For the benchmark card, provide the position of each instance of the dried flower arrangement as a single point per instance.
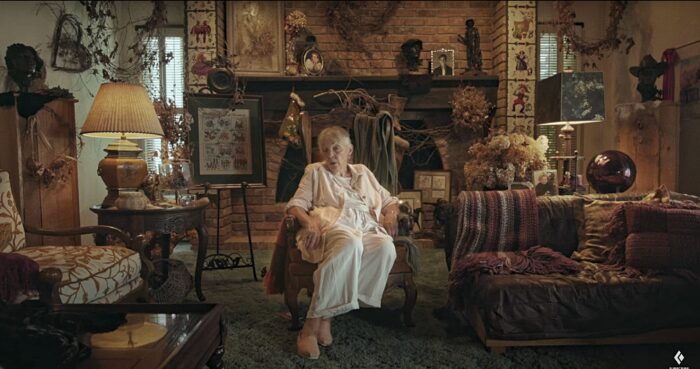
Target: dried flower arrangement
(502, 159)
(353, 21)
(176, 130)
(612, 40)
(294, 24)
(470, 108)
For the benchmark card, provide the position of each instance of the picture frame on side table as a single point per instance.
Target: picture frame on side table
(228, 141)
(255, 35)
(434, 185)
(546, 182)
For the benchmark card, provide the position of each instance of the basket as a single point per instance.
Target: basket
(175, 288)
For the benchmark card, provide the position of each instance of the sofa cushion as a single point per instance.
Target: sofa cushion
(11, 228)
(557, 222)
(660, 236)
(90, 273)
(593, 303)
(654, 250)
(595, 243)
(495, 221)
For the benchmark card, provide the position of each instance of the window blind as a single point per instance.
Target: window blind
(165, 81)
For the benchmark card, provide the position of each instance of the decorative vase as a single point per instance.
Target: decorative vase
(131, 200)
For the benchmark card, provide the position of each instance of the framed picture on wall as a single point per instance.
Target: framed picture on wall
(433, 184)
(442, 62)
(255, 34)
(228, 141)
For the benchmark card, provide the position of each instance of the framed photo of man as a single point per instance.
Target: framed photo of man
(227, 140)
(434, 185)
(442, 62)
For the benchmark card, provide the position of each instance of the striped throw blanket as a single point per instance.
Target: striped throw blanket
(495, 221)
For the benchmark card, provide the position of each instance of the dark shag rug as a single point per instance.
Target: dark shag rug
(258, 335)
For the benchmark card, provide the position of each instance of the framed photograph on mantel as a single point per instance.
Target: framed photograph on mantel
(255, 34)
(228, 141)
(434, 185)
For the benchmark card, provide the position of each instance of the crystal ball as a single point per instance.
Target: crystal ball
(611, 171)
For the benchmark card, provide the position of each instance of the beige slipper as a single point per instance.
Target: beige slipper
(307, 347)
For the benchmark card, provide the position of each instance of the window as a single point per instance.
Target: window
(166, 81)
(553, 60)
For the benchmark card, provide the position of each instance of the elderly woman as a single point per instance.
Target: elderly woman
(348, 220)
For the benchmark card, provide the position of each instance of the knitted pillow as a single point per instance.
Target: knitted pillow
(11, 228)
(662, 237)
(654, 250)
(495, 221)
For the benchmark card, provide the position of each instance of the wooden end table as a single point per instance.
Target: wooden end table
(162, 222)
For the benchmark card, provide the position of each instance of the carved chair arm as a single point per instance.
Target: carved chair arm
(291, 227)
(102, 229)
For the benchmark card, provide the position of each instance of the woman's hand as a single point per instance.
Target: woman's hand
(311, 227)
(312, 233)
(390, 220)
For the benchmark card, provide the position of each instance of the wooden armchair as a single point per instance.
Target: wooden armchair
(75, 274)
(299, 273)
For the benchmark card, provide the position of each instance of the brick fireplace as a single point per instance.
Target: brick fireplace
(432, 108)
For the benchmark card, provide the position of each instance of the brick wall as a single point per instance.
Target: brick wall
(436, 23)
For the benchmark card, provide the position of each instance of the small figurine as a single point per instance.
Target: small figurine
(647, 72)
(410, 50)
(472, 41)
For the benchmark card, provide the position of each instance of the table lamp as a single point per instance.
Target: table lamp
(122, 111)
(567, 99)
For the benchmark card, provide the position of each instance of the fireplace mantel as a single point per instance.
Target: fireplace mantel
(275, 89)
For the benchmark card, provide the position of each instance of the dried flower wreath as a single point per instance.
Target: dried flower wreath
(353, 22)
(612, 40)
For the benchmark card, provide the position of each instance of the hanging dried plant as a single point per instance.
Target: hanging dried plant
(176, 129)
(575, 43)
(103, 42)
(470, 108)
(354, 22)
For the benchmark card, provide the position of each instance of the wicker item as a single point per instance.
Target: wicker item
(175, 288)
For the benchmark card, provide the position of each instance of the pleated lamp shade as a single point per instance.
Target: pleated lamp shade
(122, 110)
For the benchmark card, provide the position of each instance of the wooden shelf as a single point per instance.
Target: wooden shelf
(275, 89)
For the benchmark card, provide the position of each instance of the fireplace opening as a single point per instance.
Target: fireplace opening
(421, 155)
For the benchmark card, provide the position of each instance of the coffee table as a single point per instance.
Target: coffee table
(194, 337)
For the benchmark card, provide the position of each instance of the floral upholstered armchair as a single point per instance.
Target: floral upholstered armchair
(69, 274)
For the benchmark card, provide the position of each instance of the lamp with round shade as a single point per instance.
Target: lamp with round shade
(568, 99)
(122, 111)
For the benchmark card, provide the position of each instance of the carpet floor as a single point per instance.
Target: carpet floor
(376, 338)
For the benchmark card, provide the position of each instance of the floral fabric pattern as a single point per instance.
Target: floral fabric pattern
(91, 274)
(11, 238)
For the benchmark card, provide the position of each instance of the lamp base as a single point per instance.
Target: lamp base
(121, 170)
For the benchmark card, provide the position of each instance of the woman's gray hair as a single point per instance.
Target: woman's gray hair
(335, 134)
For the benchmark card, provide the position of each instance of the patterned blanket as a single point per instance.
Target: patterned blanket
(495, 221)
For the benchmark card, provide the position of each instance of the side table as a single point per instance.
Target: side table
(162, 222)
